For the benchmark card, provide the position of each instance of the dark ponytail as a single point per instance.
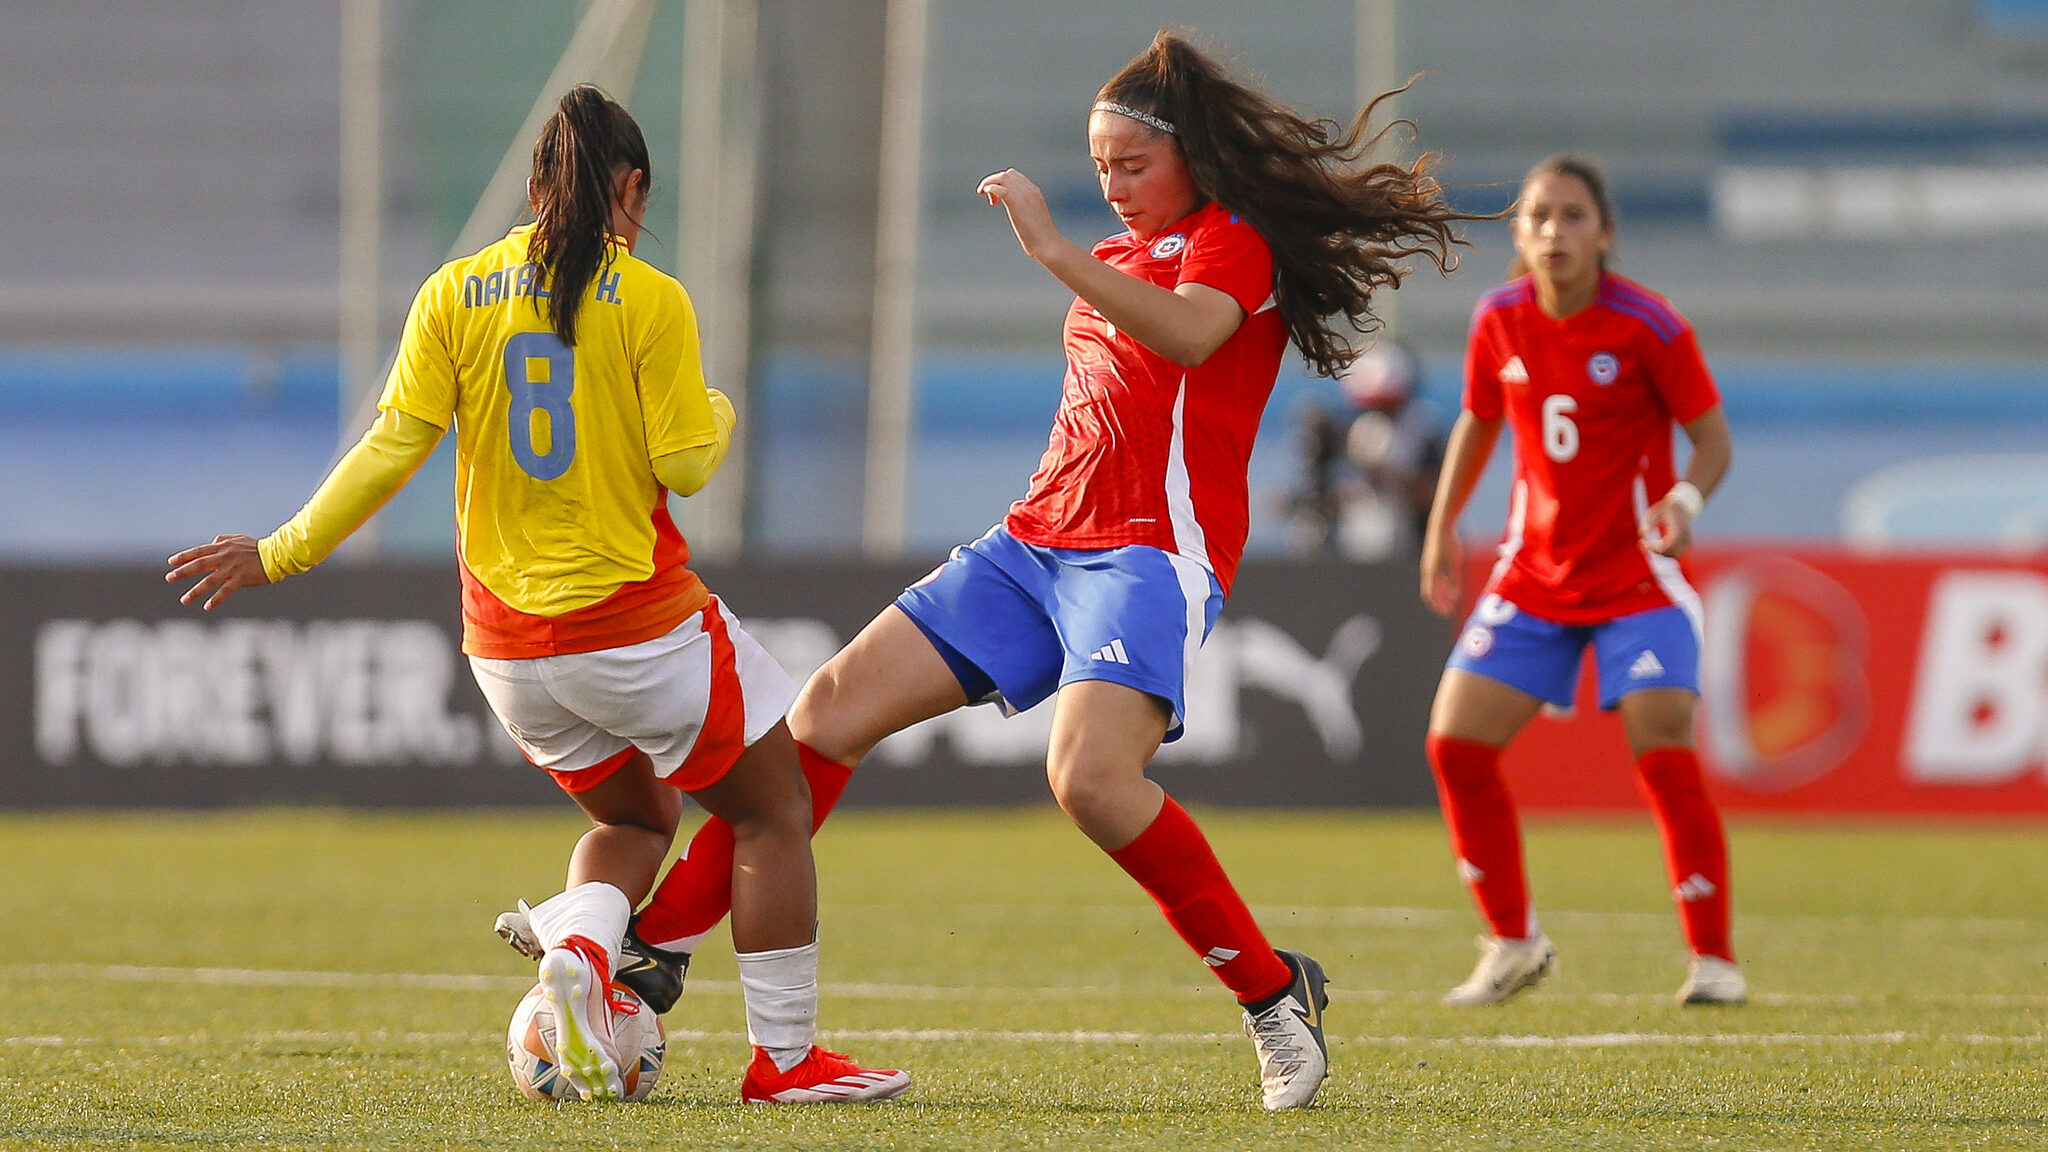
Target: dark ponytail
(1339, 228)
(583, 148)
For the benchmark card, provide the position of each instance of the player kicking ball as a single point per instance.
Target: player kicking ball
(1246, 227)
(569, 370)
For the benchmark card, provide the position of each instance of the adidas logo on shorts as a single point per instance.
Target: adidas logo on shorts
(1113, 652)
(1646, 667)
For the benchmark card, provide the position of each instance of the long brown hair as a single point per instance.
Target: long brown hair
(583, 149)
(1339, 228)
(1586, 171)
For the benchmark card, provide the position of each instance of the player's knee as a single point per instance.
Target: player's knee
(1090, 793)
(823, 721)
(1647, 734)
(661, 816)
(785, 816)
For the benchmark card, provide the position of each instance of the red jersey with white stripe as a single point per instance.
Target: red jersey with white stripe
(1590, 400)
(1143, 450)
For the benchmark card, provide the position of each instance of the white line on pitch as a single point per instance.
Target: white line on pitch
(1081, 1036)
(269, 977)
(459, 982)
(1370, 916)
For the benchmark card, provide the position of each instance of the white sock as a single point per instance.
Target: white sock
(596, 911)
(781, 989)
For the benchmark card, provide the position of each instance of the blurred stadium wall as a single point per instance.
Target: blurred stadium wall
(1850, 199)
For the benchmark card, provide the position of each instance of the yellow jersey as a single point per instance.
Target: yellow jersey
(563, 531)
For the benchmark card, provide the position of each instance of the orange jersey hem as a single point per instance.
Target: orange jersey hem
(636, 613)
(633, 613)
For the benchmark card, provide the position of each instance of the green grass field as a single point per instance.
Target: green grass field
(329, 980)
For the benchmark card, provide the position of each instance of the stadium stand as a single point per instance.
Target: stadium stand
(170, 242)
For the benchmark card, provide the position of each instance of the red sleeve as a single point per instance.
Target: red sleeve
(1681, 378)
(1482, 395)
(1230, 256)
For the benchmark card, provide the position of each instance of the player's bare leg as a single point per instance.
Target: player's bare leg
(633, 816)
(1103, 735)
(887, 679)
(774, 882)
(774, 888)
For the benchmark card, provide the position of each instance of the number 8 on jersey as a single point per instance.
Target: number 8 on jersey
(540, 372)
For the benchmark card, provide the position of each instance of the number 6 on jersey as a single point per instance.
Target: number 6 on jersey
(1560, 435)
(542, 354)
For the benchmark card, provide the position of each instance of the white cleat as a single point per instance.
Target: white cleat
(1293, 1060)
(578, 986)
(517, 930)
(1505, 968)
(1712, 980)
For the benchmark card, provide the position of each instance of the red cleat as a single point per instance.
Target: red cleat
(823, 1078)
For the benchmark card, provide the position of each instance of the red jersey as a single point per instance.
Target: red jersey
(1143, 450)
(1591, 400)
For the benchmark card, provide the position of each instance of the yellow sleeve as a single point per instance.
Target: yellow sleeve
(687, 471)
(372, 472)
(422, 380)
(668, 370)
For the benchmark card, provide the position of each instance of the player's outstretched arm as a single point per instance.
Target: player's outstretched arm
(370, 474)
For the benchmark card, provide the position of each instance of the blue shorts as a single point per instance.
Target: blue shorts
(1659, 648)
(1016, 621)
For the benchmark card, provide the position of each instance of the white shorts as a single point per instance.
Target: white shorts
(693, 700)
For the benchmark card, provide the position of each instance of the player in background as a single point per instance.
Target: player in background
(1369, 471)
(1246, 226)
(570, 372)
(1589, 371)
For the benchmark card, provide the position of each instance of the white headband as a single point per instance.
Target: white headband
(1145, 118)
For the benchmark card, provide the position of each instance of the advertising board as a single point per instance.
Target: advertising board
(347, 686)
(1836, 683)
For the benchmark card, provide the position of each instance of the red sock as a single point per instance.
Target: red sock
(1171, 859)
(1484, 832)
(697, 892)
(1695, 847)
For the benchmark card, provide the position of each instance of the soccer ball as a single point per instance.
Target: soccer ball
(530, 1046)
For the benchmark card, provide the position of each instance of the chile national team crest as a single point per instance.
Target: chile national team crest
(1603, 368)
(1168, 246)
